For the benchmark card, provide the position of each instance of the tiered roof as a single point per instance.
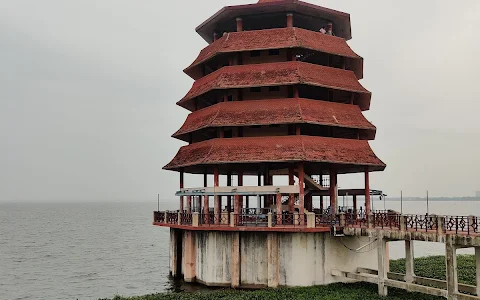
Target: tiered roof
(353, 154)
(277, 74)
(278, 38)
(277, 111)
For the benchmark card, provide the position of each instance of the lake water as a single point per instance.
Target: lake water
(89, 251)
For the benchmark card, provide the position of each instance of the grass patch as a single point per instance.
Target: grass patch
(431, 267)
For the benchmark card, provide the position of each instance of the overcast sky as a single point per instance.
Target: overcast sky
(88, 91)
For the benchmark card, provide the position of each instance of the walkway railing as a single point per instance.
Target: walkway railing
(467, 225)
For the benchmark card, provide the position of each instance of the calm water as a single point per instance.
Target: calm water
(88, 251)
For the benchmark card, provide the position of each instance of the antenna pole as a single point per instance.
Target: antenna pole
(158, 202)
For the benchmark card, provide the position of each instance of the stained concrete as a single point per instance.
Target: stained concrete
(271, 259)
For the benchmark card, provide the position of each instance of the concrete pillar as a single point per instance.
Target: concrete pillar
(291, 197)
(301, 178)
(236, 209)
(382, 266)
(440, 225)
(409, 262)
(189, 274)
(452, 272)
(279, 209)
(403, 223)
(333, 192)
(216, 209)
(289, 20)
(310, 220)
(173, 253)
(477, 258)
(270, 219)
(195, 219)
(367, 192)
(179, 219)
(181, 187)
(343, 220)
(235, 263)
(273, 263)
(239, 24)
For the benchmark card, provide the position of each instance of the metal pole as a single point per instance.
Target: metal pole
(427, 205)
(401, 202)
(158, 202)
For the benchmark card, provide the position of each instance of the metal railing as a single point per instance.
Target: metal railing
(468, 225)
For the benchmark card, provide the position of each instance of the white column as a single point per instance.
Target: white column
(477, 257)
(409, 262)
(452, 272)
(382, 266)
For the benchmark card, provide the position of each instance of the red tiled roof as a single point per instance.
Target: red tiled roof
(294, 148)
(276, 74)
(277, 39)
(278, 111)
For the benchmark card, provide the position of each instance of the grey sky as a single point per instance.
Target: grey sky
(88, 91)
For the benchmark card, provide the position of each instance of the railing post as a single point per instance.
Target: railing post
(440, 225)
(195, 218)
(371, 220)
(296, 217)
(165, 220)
(310, 220)
(269, 219)
(232, 219)
(179, 218)
(403, 223)
(343, 222)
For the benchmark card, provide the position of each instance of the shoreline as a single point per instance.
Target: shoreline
(430, 266)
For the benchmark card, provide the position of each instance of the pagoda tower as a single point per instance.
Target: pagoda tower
(276, 94)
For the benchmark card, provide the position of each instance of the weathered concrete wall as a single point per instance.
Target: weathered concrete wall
(253, 259)
(214, 255)
(308, 258)
(273, 259)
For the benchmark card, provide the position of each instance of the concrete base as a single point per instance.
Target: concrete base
(261, 259)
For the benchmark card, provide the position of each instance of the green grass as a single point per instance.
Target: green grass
(431, 267)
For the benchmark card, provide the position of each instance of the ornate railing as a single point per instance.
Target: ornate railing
(467, 225)
(421, 222)
(186, 219)
(461, 224)
(172, 218)
(159, 217)
(252, 219)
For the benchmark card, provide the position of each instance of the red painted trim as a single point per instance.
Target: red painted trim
(245, 229)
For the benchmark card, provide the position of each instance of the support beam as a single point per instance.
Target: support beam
(382, 266)
(216, 200)
(181, 187)
(240, 183)
(409, 262)
(368, 206)
(273, 263)
(301, 197)
(279, 209)
(229, 198)
(206, 210)
(235, 263)
(189, 273)
(291, 197)
(452, 272)
(333, 192)
(189, 204)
